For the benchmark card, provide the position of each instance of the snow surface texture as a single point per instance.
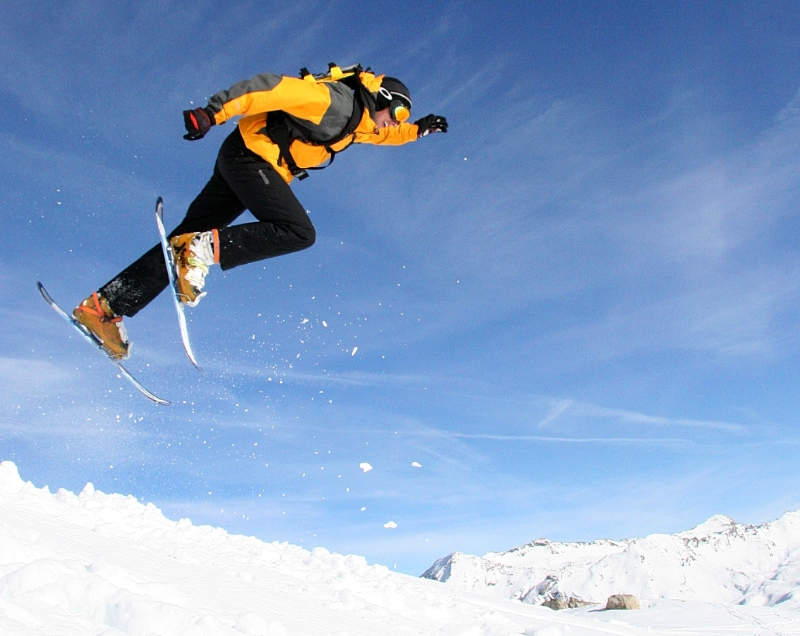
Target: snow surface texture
(107, 565)
(719, 561)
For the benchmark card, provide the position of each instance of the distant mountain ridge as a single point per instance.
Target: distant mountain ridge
(719, 561)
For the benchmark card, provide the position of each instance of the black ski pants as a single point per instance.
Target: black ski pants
(241, 180)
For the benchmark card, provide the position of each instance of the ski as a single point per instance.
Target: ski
(169, 259)
(90, 338)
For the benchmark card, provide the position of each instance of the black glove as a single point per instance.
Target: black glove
(197, 122)
(430, 124)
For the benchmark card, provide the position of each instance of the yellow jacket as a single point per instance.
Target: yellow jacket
(321, 107)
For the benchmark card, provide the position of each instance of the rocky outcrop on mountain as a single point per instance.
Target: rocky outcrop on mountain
(623, 602)
(563, 602)
(719, 561)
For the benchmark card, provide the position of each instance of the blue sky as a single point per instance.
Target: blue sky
(577, 311)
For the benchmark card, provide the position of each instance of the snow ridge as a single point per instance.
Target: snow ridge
(106, 564)
(107, 559)
(719, 561)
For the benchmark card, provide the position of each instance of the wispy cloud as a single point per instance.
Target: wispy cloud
(21, 377)
(569, 440)
(730, 319)
(559, 407)
(599, 412)
(568, 408)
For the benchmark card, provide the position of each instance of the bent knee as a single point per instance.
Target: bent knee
(306, 236)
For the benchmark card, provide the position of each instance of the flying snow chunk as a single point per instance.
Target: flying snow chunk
(304, 321)
(390, 524)
(416, 464)
(354, 351)
(365, 467)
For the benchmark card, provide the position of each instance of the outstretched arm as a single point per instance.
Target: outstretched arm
(405, 132)
(260, 94)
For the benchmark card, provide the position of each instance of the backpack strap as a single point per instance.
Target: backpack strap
(277, 130)
(283, 130)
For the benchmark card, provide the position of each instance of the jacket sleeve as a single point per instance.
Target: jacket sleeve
(267, 92)
(391, 136)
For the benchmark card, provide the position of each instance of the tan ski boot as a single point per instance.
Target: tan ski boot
(194, 253)
(96, 315)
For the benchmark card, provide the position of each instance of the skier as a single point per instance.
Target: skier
(288, 125)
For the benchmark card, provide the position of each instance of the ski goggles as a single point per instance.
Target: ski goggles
(399, 110)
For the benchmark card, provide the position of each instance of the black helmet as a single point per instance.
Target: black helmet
(393, 94)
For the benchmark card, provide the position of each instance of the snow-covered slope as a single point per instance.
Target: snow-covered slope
(108, 565)
(719, 561)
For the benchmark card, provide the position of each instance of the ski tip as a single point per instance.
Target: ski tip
(43, 291)
(159, 201)
(154, 398)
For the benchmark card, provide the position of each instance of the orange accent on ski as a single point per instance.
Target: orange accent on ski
(216, 246)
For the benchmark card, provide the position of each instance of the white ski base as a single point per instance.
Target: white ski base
(169, 259)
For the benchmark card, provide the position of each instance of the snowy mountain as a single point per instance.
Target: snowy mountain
(719, 561)
(106, 564)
